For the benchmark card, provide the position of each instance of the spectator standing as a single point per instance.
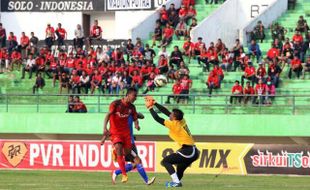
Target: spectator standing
(176, 89)
(78, 41)
(49, 36)
(2, 36)
(61, 34)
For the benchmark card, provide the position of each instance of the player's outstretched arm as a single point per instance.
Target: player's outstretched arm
(162, 109)
(156, 117)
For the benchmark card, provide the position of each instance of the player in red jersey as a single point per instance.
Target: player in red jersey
(119, 132)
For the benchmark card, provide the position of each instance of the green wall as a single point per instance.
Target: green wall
(218, 125)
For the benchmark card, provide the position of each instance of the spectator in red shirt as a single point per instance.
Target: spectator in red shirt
(74, 82)
(24, 43)
(95, 32)
(49, 36)
(163, 64)
(260, 72)
(248, 93)
(40, 64)
(204, 58)
(297, 38)
(191, 13)
(212, 82)
(79, 106)
(96, 82)
(16, 59)
(296, 66)
(186, 84)
(12, 40)
(176, 89)
(273, 52)
(118, 56)
(2, 36)
(249, 73)
(167, 35)
(183, 13)
(188, 48)
(163, 18)
(136, 80)
(61, 34)
(219, 72)
(236, 92)
(198, 46)
(261, 92)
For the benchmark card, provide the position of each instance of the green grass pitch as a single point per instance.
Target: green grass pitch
(62, 180)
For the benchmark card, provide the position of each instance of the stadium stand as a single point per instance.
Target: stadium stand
(198, 103)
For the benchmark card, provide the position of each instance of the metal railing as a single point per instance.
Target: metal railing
(193, 103)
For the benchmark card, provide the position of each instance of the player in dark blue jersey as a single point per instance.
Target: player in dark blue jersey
(133, 159)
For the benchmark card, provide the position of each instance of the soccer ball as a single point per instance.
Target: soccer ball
(160, 80)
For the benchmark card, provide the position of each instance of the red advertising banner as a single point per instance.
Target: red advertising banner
(66, 155)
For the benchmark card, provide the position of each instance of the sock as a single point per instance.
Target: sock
(142, 173)
(128, 167)
(175, 178)
(121, 163)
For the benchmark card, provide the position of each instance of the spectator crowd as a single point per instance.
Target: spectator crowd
(111, 70)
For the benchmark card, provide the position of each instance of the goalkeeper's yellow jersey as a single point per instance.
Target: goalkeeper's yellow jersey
(179, 132)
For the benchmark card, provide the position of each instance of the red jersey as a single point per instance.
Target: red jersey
(182, 12)
(188, 45)
(260, 89)
(273, 52)
(120, 113)
(199, 45)
(24, 40)
(177, 89)
(70, 63)
(261, 71)
(75, 79)
(249, 90)
(62, 32)
(249, 71)
(298, 38)
(185, 83)
(137, 79)
(95, 31)
(236, 88)
(213, 79)
(16, 55)
(168, 32)
(153, 69)
(295, 63)
(50, 31)
(12, 38)
(97, 78)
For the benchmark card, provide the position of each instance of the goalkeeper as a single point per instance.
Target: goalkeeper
(178, 132)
